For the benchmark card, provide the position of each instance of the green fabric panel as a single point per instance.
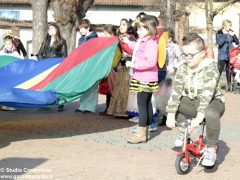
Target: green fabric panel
(5, 60)
(71, 85)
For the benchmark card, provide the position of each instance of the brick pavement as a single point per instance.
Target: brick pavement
(75, 146)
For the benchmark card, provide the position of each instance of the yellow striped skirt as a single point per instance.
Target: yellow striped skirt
(141, 86)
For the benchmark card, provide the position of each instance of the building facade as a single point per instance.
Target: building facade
(107, 12)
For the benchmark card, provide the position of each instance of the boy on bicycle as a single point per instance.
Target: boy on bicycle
(196, 93)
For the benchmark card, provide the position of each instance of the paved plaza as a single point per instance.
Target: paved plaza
(68, 146)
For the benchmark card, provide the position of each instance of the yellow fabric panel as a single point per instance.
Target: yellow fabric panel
(32, 82)
(117, 57)
(162, 51)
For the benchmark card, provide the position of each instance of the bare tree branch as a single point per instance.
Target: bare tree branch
(67, 14)
(222, 7)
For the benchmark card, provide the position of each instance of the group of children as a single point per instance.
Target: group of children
(195, 91)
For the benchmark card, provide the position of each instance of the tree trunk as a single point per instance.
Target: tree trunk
(39, 23)
(209, 19)
(182, 27)
(69, 32)
(181, 21)
(169, 14)
(67, 14)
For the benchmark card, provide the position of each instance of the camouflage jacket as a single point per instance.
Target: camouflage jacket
(201, 83)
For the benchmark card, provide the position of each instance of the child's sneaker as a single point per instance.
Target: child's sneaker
(179, 141)
(153, 127)
(134, 119)
(210, 157)
(6, 108)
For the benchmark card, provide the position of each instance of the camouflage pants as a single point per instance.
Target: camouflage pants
(188, 107)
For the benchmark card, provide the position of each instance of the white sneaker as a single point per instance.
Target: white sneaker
(210, 157)
(134, 119)
(179, 141)
(6, 108)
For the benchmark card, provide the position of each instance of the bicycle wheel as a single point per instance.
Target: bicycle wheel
(181, 167)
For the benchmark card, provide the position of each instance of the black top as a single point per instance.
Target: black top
(54, 51)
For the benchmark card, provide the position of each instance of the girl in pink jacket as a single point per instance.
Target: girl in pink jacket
(145, 74)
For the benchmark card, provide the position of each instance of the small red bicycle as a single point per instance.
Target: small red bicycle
(192, 151)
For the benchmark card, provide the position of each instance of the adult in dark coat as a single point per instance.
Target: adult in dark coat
(225, 39)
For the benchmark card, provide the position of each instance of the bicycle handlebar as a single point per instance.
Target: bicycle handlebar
(187, 123)
(184, 123)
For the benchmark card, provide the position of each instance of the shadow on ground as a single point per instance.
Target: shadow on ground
(34, 124)
(11, 168)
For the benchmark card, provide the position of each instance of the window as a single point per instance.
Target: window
(9, 14)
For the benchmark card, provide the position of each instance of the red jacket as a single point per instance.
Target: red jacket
(235, 61)
(125, 47)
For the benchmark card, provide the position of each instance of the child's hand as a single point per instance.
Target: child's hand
(196, 121)
(171, 70)
(130, 64)
(34, 58)
(191, 130)
(125, 40)
(171, 120)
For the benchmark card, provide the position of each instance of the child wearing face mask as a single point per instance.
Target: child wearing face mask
(8, 47)
(9, 50)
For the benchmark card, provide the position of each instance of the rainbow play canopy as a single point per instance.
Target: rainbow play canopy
(54, 81)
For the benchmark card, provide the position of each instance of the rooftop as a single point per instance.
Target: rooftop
(97, 2)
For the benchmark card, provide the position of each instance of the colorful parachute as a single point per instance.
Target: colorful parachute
(54, 81)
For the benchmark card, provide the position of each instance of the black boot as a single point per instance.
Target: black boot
(61, 108)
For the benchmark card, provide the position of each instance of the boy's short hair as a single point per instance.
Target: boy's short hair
(194, 37)
(85, 23)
